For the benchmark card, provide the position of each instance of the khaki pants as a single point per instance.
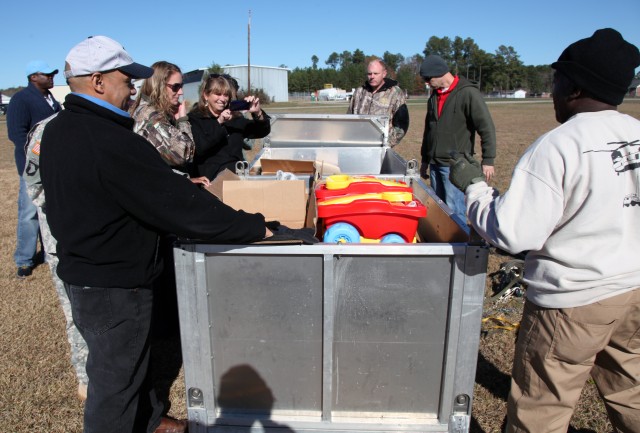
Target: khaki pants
(557, 350)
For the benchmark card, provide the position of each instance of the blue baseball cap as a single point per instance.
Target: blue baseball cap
(35, 66)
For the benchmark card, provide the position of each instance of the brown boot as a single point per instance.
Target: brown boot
(170, 425)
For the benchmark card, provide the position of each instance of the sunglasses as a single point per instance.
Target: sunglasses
(175, 86)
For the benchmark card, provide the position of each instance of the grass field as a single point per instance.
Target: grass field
(37, 384)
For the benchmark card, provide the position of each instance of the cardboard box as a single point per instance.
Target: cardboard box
(266, 166)
(271, 166)
(277, 200)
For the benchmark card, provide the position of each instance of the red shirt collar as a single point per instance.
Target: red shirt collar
(450, 88)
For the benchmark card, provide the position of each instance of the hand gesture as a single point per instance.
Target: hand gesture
(182, 111)
(255, 104)
(224, 116)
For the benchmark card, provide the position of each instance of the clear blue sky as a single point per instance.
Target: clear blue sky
(196, 33)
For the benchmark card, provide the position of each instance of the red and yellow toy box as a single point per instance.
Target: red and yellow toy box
(366, 209)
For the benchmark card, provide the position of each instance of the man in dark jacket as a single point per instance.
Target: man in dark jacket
(28, 107)
(109, 196)
(455, 112)
(382, 96)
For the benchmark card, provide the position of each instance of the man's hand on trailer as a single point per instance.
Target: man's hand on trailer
(284, 233)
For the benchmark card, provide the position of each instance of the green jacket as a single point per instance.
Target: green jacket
(464, 113)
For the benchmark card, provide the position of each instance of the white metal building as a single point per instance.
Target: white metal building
(274, 81)
(60, 92)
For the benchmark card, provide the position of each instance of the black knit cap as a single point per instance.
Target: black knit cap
(433, 66)
(603, 64)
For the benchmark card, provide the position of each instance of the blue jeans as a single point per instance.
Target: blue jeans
(448, 192)
(28, 229)
(116, 323)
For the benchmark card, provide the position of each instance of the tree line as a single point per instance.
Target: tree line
(498, 72)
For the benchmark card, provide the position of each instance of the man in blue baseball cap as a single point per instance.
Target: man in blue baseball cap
(28, 107)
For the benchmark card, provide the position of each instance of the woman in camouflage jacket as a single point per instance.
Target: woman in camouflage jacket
(160, 117)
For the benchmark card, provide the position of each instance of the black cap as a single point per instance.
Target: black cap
(603, 64)
(433, 66)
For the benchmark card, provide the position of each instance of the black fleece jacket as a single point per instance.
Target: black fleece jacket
(220, 146)
(109, 196)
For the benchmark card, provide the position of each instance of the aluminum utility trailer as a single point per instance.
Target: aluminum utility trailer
(334, 338)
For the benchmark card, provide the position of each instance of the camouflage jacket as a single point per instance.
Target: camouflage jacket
(31, 173)
(35, 190)
(173, 140)
(388, 101)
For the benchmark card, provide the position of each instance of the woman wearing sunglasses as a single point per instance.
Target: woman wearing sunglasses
(160, 117)
(219, 128)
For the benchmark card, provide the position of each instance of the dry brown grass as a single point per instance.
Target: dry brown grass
(37, 384)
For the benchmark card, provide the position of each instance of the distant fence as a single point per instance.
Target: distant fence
(306, 96)
(299, 96)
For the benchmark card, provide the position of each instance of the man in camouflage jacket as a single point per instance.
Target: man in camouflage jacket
(382, 96)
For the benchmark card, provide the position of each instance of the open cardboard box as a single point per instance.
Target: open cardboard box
(265, 166)
(286, 201)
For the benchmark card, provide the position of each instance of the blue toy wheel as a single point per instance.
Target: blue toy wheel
(392, 238)
(341, 233)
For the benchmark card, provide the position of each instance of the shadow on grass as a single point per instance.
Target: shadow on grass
(492, 379)
(475, 427)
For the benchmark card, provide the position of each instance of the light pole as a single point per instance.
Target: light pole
(249, 55)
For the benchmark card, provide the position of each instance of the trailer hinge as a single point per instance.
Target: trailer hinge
(413, 168)
(383, 125)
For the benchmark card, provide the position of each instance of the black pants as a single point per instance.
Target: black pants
(165, 299)
(116, 323)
